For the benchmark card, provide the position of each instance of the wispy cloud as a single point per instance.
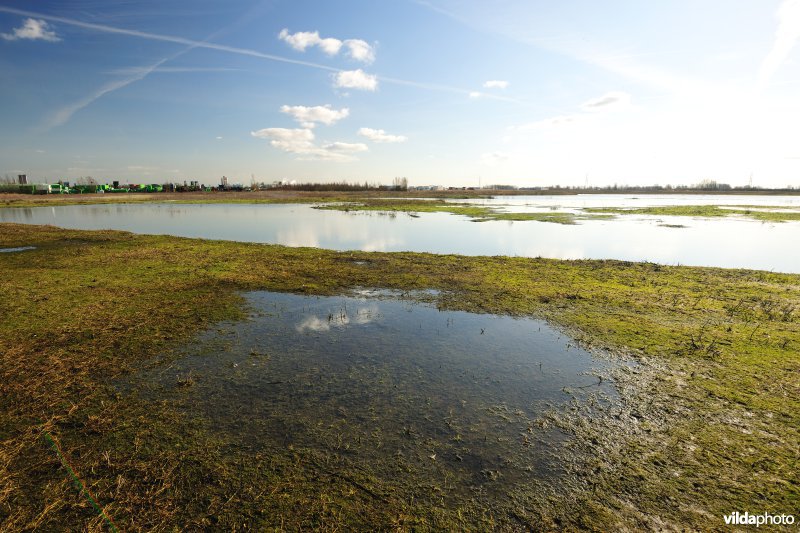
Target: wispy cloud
(32, 30)
(355, 79)
(607, 101)
(63, 115)
(786, 36)
(494, 158)
(130, 71)
(560, 120)
(625, 65)
(365, 81)
(495, 84)
(356, 49)
(164, 38)
(309, 116)
(380, 136)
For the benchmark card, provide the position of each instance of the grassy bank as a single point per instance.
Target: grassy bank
(216, 197)
(709, 422)
(775, 214)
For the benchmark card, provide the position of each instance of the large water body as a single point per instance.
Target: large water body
(729, 242)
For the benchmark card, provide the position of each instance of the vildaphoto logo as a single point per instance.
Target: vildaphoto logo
(764, 519)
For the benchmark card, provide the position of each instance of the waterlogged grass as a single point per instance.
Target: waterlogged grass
(404, 205)
(556, 217)
(403, 202)
(711, 211)
(216, 197)
(477, 213)
(26, 200)
(708, 422)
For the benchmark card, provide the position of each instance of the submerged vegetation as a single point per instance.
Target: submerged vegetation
(709, 420)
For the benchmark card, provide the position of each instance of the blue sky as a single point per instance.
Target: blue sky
(443, 92)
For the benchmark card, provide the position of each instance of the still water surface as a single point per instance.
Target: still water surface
(724, 242)
(431, 403)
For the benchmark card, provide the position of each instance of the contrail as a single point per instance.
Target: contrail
(65, 113)
(235, 50)
(164, 38)
(786, 35)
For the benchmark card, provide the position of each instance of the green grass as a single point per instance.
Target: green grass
(476, 212)
(711, 211)
(709, 422)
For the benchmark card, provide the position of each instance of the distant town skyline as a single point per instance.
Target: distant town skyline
(443, 92)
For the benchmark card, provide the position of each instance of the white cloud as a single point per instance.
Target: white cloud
(345, 148)
(560, 120)
(786, 36)
(219, 137)
(301, 142)
(475, 94)
(309, 116)
(380, 136)
(355, 79)
(494, 158)
(330, 45)
(356, 49)
(496, 84)
(609, 100)
(33, 30)
(289, 140)
(301, 40)
(360, 50)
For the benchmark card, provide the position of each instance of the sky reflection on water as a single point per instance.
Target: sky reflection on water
(724, 242)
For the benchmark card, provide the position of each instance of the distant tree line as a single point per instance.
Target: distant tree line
(704, 186)
(399, 184)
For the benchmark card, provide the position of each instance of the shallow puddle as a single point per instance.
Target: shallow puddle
(18, 249)
(435, 403)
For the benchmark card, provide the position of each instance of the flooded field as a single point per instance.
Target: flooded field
(729, 242)
(428, 404)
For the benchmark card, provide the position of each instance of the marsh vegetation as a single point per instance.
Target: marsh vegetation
(706, 420)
